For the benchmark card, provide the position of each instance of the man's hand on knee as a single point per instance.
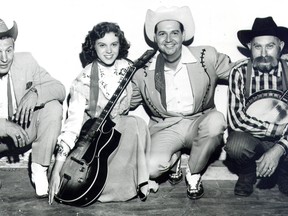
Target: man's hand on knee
(16, 133)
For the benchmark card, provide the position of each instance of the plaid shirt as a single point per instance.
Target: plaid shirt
(238, 119)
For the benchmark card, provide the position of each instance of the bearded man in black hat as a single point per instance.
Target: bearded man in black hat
(30, 107)
(257, 113)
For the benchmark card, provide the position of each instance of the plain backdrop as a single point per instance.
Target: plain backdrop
(53, 30)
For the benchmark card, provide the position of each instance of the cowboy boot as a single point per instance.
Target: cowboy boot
(246, 180)
(177, 176)
(194, 184)
(39, 179)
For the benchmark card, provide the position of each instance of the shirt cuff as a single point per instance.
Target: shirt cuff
(274, 130)
(284, 145)
(68, 138)
(270, 130)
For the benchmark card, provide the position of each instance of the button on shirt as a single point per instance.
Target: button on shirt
(179, 95)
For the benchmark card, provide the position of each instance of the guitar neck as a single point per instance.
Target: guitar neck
(113, 100)
(139, 63)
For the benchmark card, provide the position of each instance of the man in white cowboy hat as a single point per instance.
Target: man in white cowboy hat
(30, 107)
(177, 89)
(257, 144)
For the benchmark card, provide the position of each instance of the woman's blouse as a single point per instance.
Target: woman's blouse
(109, 80)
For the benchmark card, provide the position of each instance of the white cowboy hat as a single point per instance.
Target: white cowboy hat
(5, 32)
(180, 14)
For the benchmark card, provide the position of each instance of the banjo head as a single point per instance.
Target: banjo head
(266, 105)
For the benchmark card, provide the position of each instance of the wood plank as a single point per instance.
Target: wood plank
(17, 198)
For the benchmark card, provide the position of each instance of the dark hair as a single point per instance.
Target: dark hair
(7, 37)
(181, 27)
(89, 54)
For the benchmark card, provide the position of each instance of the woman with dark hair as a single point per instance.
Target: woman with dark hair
(104, 60)
(88, 54)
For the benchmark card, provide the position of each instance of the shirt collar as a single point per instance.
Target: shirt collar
(186, 58)
(6, 75)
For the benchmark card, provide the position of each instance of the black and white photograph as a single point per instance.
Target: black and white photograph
(156, 107)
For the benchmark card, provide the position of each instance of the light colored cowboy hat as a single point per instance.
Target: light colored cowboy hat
(5, 32)
(261, 27)
(180, 14)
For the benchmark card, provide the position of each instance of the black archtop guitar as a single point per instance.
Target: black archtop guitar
(84, 173)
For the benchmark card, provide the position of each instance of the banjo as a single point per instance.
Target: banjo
(268, 105)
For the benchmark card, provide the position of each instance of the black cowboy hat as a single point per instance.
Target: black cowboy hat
(261, 27)
(5, 32)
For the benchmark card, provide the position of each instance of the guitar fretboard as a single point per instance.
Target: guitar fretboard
(113, 100)
(139, 63)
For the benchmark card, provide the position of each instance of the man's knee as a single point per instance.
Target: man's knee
(156, 168)
(215, 124)
(50, 120)
(153, 171)
(235, 145)
(52, 111)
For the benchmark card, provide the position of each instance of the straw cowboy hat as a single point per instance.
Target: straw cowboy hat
(5, 32)
(180, 14)
(261, 27)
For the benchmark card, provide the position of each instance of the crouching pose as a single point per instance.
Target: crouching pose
(30, 107)
(258, 139)
(177, 89)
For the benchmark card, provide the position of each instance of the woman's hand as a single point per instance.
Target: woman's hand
(53, 186)
(55, 180)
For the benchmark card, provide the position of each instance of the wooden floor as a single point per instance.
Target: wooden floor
(17, 198)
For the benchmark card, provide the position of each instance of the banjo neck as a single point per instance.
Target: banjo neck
(284, 97)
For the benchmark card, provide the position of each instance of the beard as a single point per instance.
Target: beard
(265, 64)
